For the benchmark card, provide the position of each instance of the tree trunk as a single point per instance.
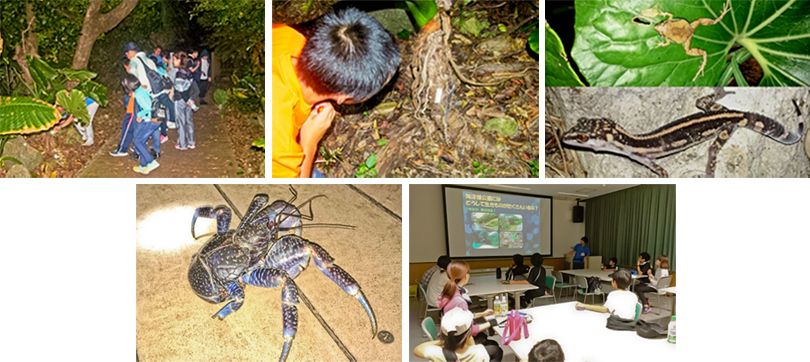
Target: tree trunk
(28, 45)
(95, 23)
(434, 82)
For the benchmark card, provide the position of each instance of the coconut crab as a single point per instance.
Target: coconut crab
(265, 250)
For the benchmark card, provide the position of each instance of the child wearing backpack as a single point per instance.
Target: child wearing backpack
(620, 302)
(183, 91)
(147, 72)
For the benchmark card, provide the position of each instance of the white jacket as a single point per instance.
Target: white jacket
(136, 69)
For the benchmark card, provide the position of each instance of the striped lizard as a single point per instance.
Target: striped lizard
(716, 121)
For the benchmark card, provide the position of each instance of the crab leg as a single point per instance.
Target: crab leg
(221, 213)
(273, 278)
(236, 296)
(291, 253)
(256, 204)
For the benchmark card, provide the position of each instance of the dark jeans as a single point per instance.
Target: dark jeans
(127, 131)
(164, 100)
(143, 131)
(578, 265)
(203, 89)
(640, 289)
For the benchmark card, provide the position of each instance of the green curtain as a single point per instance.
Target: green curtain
(628, 222)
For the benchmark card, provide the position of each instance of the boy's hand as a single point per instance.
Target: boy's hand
(312, 131)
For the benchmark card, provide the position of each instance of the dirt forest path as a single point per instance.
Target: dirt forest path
(213, 157)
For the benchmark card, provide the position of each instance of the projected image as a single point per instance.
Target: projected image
(510, 222)
(510, 239)
(485, 221)
(486, 240)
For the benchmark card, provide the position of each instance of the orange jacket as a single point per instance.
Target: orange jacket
(289, 108)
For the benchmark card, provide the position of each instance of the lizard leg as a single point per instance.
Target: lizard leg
(650, 164)
(722, 137)
(709, 103)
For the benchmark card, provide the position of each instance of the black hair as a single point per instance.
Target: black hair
(348, 53)
(622, 278)
(537, 259)
(453, 340)
(518, 259)
(614, 260)
(644, 255)
(547, 350)
(584, 239)
(443, 262)
(130, 83)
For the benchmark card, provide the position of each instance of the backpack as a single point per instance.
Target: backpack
(155, 80)
(651, 330)
(594, 284)
(617, 323)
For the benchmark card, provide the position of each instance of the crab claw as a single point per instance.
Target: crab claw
(367, 307)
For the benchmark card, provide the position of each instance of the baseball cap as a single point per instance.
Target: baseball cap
(130, 46)
(456, 321)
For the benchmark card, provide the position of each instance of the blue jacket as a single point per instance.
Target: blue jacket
(144, 101)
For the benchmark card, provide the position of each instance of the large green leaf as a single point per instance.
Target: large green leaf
(558, 70)
(73, 103)
(534, 41)
(94, 90)
(422, 10)
(25, 115)
(613, 50)
(79, 75)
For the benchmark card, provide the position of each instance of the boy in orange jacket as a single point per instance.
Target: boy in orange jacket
(348, 59)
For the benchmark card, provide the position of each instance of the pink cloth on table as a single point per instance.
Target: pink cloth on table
(515, 323)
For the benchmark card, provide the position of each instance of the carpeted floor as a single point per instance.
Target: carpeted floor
(173, 324)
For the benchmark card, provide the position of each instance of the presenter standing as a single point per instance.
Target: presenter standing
(580, 251)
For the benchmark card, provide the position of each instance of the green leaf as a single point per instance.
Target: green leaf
(74, 104)
(613, 50)
(25, 115)
(258, 143)
(505, 126)
(534, 41)
(220, 97)
(94, 90)
(382, 142)
(3, 160)
(78, 75)
(404, 34)
(371, 161)
(422, 10)
(474, 26)
(558, 70)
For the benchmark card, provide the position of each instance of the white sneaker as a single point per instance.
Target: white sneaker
(171, 125)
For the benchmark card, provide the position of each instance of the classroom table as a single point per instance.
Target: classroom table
(669, 291)
(487, 286)
(584, 337)
(604, 275)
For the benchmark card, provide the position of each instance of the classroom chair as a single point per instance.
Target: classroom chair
(662, 283)
(582, 288)
(551, 282)
(562, 285)
(429, 327)
(428, 308)
(639, 308)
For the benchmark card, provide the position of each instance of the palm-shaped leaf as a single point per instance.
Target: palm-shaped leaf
(25, 115)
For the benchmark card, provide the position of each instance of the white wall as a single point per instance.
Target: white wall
(427, 224)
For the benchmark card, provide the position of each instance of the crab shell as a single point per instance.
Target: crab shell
(218, 263)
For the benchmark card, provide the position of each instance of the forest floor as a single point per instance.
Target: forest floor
(385, 136)
(223, 148)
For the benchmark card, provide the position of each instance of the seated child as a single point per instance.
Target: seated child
(456, 342)
(661, 271)
(348, 59)
(547, 350)
(518, 270)
(612, 264)
(620, 302)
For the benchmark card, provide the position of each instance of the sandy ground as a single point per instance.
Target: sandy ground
(173, 324)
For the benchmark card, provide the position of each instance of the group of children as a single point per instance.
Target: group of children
(161, 92)
(463, 333)
(464, 339)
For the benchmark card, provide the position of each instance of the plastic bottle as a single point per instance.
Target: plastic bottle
(671, 330)
(496, 305)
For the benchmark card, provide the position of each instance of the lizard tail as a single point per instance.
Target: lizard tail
(773, 129)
